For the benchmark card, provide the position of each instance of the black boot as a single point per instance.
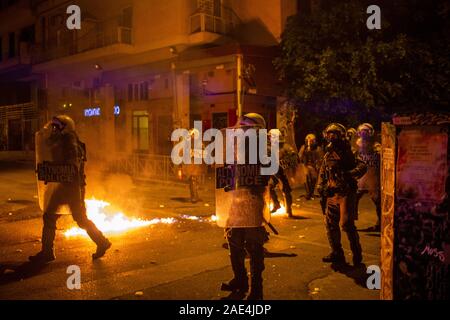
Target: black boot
(256, 251)
(97, 236)
(42, 257)
(236, 285)
(240, 281)
(256, 291)
(101, 249)
(334, 238)
(276, 202)
(355, 246)
(47, 252)
(288, 199)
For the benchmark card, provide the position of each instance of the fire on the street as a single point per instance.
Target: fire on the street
(279, 212)
(111, 223)
(119, 222)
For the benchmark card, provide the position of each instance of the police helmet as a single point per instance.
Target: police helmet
(252, 120)
(337, 128)
(280, 133)
(310, 137)
(366, 127)
(63, 123)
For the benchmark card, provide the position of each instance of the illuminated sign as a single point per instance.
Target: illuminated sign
(92, 112)
(116, 110)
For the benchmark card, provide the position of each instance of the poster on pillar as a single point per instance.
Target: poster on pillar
(422, 164)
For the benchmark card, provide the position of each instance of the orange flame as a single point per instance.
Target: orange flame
(119, 222)
(112, 223)
(279, 212)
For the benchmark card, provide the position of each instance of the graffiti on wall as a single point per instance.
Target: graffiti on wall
(421, 214)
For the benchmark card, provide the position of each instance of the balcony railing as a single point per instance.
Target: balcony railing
(102, 35)
(205, 22)
(202, 22)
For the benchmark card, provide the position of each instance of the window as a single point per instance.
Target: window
(127, 17)
(140, 131)
(217, 8)
(43, 32)
(136, 92)
(12, 45)
(143, 91)
(130, 92)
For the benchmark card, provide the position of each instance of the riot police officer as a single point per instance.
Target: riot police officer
(288, 160)
(194, 171)
(369, 151)
(243, 211)
(351, 137)
(57, 143)
(311, 155)
(337, 182)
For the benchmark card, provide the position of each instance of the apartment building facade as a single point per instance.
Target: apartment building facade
(138, 69)
(19, 90)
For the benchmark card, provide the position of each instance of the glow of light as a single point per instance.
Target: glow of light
(279, 212)
(112, 223)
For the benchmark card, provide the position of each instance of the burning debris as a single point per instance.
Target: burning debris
(280, 212)
(119, 222)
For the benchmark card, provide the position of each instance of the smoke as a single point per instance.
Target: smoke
(117, 189)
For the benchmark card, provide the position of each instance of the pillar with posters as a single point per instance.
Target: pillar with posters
(415, 239)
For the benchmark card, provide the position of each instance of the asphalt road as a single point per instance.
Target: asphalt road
(183, 260)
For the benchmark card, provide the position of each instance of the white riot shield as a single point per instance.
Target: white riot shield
(242, 197)
(54, 175)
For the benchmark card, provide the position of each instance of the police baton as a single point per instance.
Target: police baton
(275, 231)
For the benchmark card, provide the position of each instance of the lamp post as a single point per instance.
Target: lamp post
(239, 59)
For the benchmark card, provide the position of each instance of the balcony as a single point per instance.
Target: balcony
(204, 22)
(22, 58)
(101, 35)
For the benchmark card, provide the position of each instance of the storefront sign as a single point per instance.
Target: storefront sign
(92, 112)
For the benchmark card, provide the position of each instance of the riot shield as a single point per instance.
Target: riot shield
(54, 172)
(290, 163)
(242, 197)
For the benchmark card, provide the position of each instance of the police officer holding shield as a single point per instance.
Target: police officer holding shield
(58, 148)
(242, 211)
(370, 152)
(338, 184)
(311, 155)
(288, 160)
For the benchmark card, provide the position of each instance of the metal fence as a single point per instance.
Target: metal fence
(143, 166)
(148, 167)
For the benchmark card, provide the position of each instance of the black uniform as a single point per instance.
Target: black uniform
(337, 182)
(311, 157)
(288, 160)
